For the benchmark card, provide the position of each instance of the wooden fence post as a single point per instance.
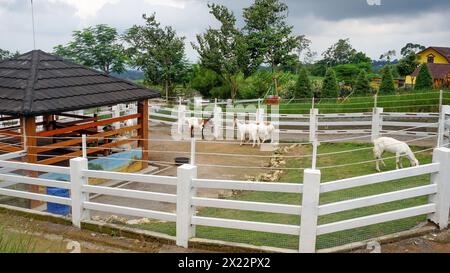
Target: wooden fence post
(185, 210)
(77, 181)
(377, 123)
(441, 179)
(313, 124)
(310, 209)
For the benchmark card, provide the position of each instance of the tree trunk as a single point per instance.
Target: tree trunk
(233, 86)
(167, 90)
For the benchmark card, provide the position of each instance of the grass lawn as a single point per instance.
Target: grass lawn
(403, 102)
(292, 176)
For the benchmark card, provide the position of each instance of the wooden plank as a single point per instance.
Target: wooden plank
(135, 194)
(143, 111)
(9, 148)
(378, 178)
(134, 177)
(246, 225)
(375, 219)
(248, 186)
(69, 156)
(245, 205)
(89, 125)
(89, 139)
(376, 199)
(164, 216)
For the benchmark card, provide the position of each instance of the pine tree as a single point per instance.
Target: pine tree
(387, 82)
(362, 86)
(303, 87)
(424, 79)
(330, 88)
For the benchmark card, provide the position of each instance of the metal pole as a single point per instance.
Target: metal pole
(84, 145)
(193, 151)
(32, 20)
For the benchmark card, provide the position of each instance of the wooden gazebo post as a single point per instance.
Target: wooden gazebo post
(143, 131)
(29, 128)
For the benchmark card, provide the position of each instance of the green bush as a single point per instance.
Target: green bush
(203, 80)
(424, 79)
(330, 87)
(221, 92)
(303, 88)
(362, 86)
(387, 82)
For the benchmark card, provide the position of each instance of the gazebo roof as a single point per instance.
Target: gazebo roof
(37, 83)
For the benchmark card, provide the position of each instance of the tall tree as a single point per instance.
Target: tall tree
(424, 79)
(269, 35)
(303, 87)
(387, 82)
(388, 55)
(97, 47)
(407, 65)
(5, 54)
(304, 52)
(158, 51)
(411, 48)
(224, 50)
(362, 86)
(330, 87)
(341, 52)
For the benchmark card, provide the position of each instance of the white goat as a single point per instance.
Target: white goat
(197, 123)
(247, 128)
(397, 147)
(265, 131)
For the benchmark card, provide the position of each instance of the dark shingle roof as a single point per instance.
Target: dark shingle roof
(437, 71)
(38, 83)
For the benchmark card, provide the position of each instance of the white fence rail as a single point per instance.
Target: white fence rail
(187, 201)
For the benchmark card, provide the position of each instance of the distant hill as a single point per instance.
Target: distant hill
(132, 75)
(377, 65)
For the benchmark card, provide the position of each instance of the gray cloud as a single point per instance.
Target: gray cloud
(372, 29)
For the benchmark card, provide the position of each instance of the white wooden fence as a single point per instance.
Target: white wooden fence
(186, 198)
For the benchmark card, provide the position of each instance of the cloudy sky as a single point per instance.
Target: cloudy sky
(371, 28)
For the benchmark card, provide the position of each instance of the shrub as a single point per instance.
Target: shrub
(387, 82)
(424, 79)
(330, 87)
(303, 87)
(362, 86)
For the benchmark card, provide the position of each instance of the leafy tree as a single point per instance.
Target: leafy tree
(360, 57)
(204, 80)
(5, 54)
(362, 86)
(424, 79)
(387, 82)
(224, 50)
(407, 65)
(157, 51)
(410, 49)
(341, 52)
(303, 88)
(347, 73)
(330, 87)
(387, 56)
(304, 50)
(97, 47)
(269, 36)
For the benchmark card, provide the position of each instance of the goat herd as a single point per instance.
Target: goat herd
(261, 132)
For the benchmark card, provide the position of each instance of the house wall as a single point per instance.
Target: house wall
(438, 58)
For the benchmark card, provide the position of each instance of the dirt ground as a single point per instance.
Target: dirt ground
(163, 151)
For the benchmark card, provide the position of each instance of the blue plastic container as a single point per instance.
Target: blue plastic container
(58, 208)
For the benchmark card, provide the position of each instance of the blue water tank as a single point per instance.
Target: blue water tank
(58, 208)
